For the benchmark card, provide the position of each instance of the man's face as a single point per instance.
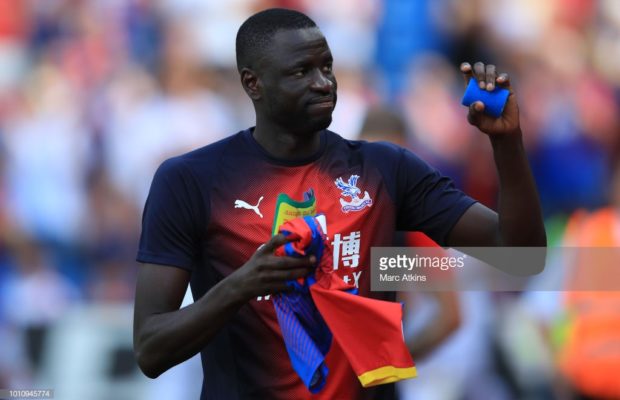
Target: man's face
(298, 85)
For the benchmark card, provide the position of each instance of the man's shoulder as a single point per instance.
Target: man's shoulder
(389, 158)
(384, 151)
(200, 163)
(213, 150)
(205, 156)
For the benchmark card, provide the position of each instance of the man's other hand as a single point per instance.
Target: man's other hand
(487, 78)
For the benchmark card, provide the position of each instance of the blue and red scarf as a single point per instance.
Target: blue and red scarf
(322, 306)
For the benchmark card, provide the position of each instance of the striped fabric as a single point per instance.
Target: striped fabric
(306, 336)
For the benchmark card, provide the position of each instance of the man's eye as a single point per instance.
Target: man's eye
(299, 73)
(327, 68)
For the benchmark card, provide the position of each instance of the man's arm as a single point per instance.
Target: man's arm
(446, 320)
(165, 335)
(519, 221)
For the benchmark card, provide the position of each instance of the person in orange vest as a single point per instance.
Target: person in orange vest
(588, 340)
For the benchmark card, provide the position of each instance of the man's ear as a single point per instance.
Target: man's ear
(251, 83)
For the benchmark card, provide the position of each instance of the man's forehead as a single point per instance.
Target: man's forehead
(292, 40)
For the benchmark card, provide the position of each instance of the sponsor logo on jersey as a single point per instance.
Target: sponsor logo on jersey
(349, 189)
(287, 208)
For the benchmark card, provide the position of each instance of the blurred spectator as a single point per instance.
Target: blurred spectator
(385, 124)
(48, 154)
(354, 96)
(33, 298)
(345, 22)
(589, 345)
(160, 117)
(111, 241)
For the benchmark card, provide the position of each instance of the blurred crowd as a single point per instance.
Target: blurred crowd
(95, 94)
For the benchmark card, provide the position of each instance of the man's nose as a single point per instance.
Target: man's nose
(321, 83)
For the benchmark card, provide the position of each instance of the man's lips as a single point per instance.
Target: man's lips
(322, 102)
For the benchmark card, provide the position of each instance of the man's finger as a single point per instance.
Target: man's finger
(475, 111)
(287, 274)
(490, 77)
(480, 74)
(275, 242)
(290, 262)
(467, 72)
(477, 107)
(503, 80)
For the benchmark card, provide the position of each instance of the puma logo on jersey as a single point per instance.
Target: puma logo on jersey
(243, 204)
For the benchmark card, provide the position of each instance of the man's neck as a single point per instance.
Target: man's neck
(286, 145)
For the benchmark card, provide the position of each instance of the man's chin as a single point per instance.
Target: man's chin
(311, 124)
(318, 124)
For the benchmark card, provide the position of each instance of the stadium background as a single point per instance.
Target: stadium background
(94, 94)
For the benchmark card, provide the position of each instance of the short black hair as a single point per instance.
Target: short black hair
(256, 32)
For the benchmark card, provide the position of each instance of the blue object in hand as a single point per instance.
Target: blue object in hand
(494, 101)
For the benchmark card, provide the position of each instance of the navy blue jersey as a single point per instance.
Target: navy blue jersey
(210, 209)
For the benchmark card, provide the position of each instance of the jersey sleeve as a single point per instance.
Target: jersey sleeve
(173, 219)
(429, 201)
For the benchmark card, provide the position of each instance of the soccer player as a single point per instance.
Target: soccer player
(211, 217)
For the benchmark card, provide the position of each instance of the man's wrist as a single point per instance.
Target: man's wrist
(233, 289)
(508, 141)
